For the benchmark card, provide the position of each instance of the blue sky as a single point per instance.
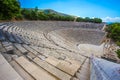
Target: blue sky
(108, 10)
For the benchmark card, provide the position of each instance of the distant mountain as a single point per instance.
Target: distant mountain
(50, 11)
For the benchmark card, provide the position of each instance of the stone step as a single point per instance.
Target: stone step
(30, 49)
(51, 69)
(53, 61)
(31, 55)
(18, 40)
(10, 37)
(22, 49)
(9, 49)
(5, 43)
(2, 26)
(10, 29)
(82, 77)
(37, 49)
(17, 52)
(8, 46)
(21, 71)
(8, 34)
(66, 66)
(2, 49)
(84, 72)
(5, 28)
(7, 72)
(36, 72)
(22, 39)
(15, 36)
(2, 37)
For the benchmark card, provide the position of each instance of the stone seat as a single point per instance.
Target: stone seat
(9, 47)
(10, 37)
(18, 40)
(37, 72)
(20, 48)
(30, 49)
(21, 71)
(51, 69)
(64, 65)
(7, 72)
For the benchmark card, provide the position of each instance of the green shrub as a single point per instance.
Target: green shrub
(118, 43)
(19, 17)
(118, 53)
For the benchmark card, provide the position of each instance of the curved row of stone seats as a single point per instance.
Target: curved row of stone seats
(5, 71)
(81, 36)
(39, 26)
(3, 31)
(53, 72)
(37, 72)
(41, 41)
(29, 36)
(19, 38)
(63, 57)
(33, 41)
(60, 54)
(53, 25)
(50, 70)
(35, 38)
(65, 39)
(7, 34)
(59, 40)
(9, 51)
(21, 49)
(42, 64)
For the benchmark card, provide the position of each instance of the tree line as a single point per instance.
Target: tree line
(10, 9)
(114, 33)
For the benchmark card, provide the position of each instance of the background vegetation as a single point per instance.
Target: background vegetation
(114, 33)
(10, 10)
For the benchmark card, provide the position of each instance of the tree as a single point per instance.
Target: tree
(114, 33)
(118, 53)
(26, 13)
(9, 9)
(97, 20)
(80, 19)
(87, 19)
(42, 16)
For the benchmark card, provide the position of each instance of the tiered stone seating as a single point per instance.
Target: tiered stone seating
(39, 50)
(35, 71)
(81, 36)
(51, 69)
(21, 71)
(68, 66)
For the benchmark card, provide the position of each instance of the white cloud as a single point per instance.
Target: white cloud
(110, 19)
